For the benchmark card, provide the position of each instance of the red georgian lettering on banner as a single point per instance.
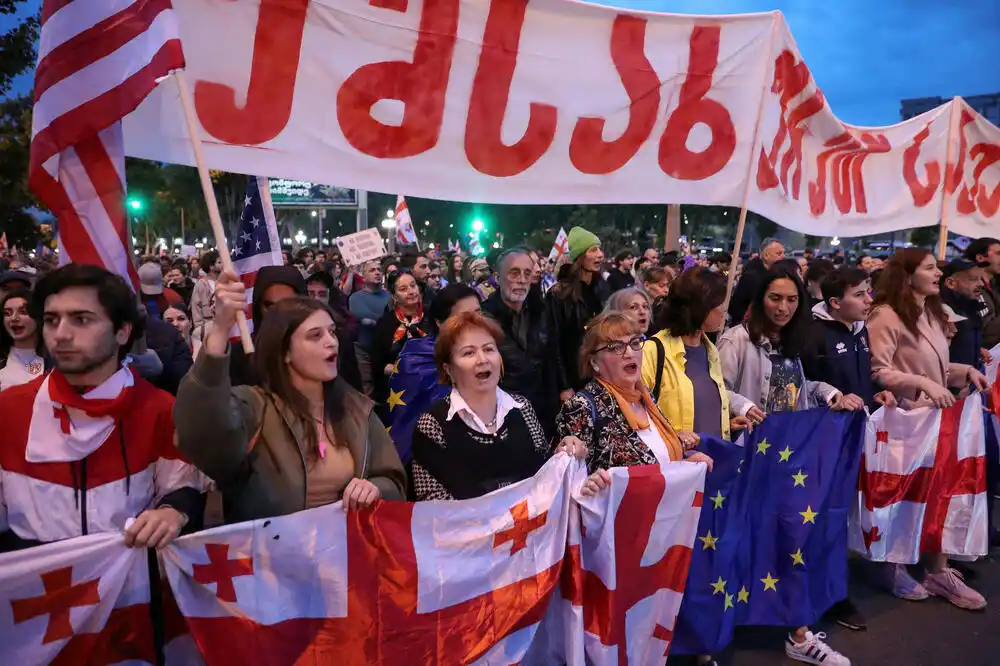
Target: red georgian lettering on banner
(490, 95)
(845, 156)
(923, 192)
(588, 151)
(790, 80)
(696, 107)
(979, 197)
(420, 85)
(276, 47)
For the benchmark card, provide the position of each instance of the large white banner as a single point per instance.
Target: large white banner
(555, 101)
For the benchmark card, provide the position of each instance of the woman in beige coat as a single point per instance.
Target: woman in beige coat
(909, 346)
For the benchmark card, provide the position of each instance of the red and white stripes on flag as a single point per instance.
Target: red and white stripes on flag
(405, 234)
(96, 62)
(922, 487)
(256, 243)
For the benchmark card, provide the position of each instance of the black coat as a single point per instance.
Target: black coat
(567, 318)
(968, 340)
(527, 370)
(173, 351)
(618, 280)
(385, 350)
(839, 356)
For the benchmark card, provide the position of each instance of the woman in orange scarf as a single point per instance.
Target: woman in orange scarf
(614, 414)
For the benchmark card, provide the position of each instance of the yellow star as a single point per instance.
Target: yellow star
(800, 479)
(728, 603)
(395, 368)
(743, 596)
(395, 399)
(770, 583)
(709, 541)
(718, 499)
(388, 430)
(718, 586)
(785, 454)
(797, 558)
(763, 446)
(808, 516)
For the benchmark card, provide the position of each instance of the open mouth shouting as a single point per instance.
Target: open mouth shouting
(631, 368)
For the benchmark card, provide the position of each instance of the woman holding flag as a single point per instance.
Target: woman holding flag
(304, 438)
(403, 320)
(907, 328)
(761, 366)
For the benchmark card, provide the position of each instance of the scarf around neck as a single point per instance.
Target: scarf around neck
(641, 420)
(407, 323)
(67, 425)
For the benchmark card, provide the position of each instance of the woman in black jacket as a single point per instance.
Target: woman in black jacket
(403, 319)
(572, 302)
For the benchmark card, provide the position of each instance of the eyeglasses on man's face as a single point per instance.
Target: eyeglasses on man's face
(619, 347)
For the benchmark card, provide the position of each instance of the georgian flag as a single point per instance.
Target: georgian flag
(78, 601)
(405, 233)
(561, 246)
(923, 484)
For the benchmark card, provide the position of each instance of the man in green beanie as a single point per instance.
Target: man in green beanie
(574, 301)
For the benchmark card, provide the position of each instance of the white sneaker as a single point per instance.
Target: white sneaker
(814, 651)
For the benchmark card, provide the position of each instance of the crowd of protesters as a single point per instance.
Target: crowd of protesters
(623, 362)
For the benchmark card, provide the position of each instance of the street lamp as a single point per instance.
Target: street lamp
(300, 237)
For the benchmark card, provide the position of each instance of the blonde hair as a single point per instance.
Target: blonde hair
(601, 330)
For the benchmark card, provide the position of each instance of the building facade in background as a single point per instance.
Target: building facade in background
(987, 105)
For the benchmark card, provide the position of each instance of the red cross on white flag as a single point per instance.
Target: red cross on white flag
(405, 233)
(923, 484)
(560, 247)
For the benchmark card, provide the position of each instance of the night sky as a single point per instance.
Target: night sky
(865, 54)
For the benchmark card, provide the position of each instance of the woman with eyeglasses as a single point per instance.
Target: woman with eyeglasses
(632, 301)
(614, 415)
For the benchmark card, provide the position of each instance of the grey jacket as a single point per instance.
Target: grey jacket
(746, 369)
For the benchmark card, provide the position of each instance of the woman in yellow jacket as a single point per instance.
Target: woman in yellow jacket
(681, 366)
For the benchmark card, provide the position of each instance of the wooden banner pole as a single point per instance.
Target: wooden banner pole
(953, 120)
(209, 192)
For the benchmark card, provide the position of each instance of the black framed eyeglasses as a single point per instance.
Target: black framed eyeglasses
(618, 347)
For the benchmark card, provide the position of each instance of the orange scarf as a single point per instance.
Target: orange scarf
(640, 421)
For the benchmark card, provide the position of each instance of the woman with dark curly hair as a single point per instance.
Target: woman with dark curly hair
(682, 367)
(21, 345)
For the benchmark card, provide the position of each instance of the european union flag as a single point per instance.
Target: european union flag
(772, 539)
(413, 388)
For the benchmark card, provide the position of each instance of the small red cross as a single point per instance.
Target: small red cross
(561, 245)
(881, 437)
(221, 570)
(871, 537)
(523, 526)
(63, 416)
(664, 634)
(60, 596)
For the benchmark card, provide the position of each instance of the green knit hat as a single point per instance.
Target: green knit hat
(580, 240)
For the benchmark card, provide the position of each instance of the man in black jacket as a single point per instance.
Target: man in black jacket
(525, 350)
(986, 252)
(961, 290)
(837, 352)
(620, 276)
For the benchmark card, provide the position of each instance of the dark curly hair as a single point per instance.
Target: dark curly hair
(691, 298)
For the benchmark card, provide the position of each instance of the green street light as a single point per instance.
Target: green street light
(477, 225)
(135, 204)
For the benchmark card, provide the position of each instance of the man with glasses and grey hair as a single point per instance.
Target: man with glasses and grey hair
(520, 311)
(771, 252)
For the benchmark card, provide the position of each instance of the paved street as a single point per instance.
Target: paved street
(900, 633)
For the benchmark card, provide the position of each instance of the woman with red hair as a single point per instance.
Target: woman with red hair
(909, 343)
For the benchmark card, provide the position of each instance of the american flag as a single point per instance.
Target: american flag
(97, 60)
(256, 243)
(405, 233)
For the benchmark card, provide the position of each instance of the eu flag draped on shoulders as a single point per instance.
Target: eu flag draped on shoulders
(772, 538)
(413, 388)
